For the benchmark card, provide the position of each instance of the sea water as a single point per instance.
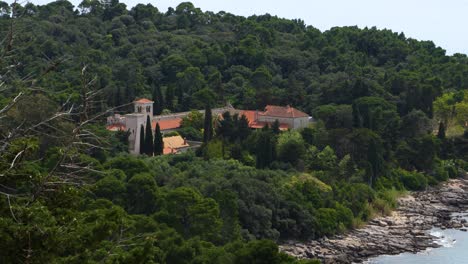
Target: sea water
(453, 250)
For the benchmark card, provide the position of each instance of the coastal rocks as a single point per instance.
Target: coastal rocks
(406, 230)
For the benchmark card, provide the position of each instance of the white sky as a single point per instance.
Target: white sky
(443, 21)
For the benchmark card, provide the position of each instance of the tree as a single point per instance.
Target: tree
(191, 214)
(275, 127)
(142, 140)
(225, 126)
(208, 125)
(265, 148)
(158, 100)
(415, 124)
(243, 129)
(158, 141)
(441, 131)
(149, 148)
(193, 119)
(142, 194)
(291, 147)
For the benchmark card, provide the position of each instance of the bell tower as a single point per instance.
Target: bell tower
(144, 106)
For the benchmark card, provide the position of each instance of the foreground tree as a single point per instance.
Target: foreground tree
(158, 141)
(142, 140)
(441, 132)
(208, 125)
(149, 148)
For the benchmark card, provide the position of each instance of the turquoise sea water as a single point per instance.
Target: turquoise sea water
(454, 250)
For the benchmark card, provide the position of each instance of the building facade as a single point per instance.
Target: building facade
(287, 116)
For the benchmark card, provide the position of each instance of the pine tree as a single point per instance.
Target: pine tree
(148, 137)
(158, 141)
(208, 125)
(142, 139)
(441, 133)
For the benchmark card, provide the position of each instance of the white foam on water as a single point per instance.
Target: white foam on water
(443, 239)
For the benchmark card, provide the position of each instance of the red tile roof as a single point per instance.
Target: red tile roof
(167, 151)
(116, 127)
(143, 101)
(173, 144)
(282, 111)
(250, 115)
(167, 124)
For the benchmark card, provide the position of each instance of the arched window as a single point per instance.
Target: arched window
(139, 109)
(148, 109)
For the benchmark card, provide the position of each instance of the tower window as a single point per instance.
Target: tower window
(148, 109)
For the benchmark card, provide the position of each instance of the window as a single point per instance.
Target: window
(148, 109)
(139, 109)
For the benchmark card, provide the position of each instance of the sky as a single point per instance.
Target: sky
(445, 22)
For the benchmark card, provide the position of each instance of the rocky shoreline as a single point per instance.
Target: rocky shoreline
(405, 230)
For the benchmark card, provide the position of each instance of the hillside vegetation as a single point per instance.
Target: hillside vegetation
(391, 115)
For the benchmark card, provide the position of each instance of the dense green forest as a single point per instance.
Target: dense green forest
(391, 115)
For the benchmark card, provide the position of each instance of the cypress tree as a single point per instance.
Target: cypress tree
(243, 129)
(208, 125)
(441, 132)
(142, 139)
(158, 100)
(265, 149)
(275, 127)
(148, 137)
(118, 97)
(170, 97)
(158, 141)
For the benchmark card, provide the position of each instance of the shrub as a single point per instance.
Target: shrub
(441, 174)
(413, 181)
(327, 221)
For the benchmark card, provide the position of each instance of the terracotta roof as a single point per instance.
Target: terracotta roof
(175, 142)
(250, 114)
(172, 144)
(282, 111)
(169, 151)
(167, 124)
(258, 125)
(143, 101)
(115, 127)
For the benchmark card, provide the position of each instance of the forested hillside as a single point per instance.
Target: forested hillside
(392, 116)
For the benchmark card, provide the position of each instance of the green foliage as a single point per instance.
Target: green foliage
(290, 147)
(149, 142)
(142, 194)
(158, 141)
(371, 90)
(191, 215)
(207, 124)
(412, 180)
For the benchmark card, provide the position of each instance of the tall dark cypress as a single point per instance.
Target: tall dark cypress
(208, 125)
(243, 129)
(118, 97)
(275, 127)
(158, 100)
(441, 132)
(158, 141)
(148, 137)
(142, 139)
(265, 149)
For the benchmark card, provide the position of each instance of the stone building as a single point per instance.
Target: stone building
(287, 116)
